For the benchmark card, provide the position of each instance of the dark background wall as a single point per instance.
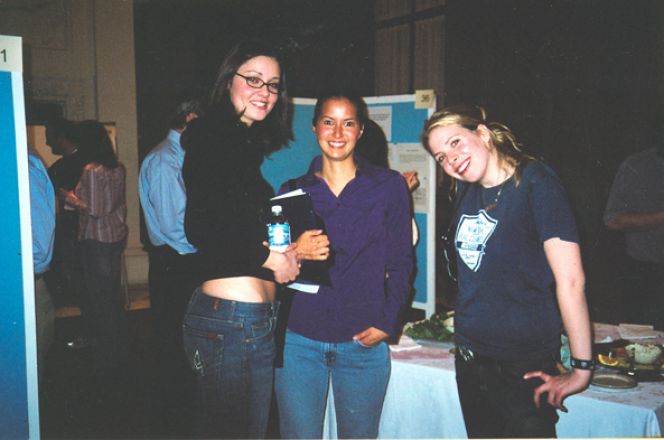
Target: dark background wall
(579, 81)
(180, 44)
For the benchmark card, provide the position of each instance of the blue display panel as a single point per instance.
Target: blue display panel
(19, 394)
(13, 372)
(294, 160)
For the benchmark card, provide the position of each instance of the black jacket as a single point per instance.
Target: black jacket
(227, 197)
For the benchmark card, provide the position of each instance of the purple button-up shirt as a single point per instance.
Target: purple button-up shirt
(369, 227)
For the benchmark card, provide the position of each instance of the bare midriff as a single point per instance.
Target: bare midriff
(243, 289)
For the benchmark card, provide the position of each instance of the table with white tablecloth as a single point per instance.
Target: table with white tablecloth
(422, 402)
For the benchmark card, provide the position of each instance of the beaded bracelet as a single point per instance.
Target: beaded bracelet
(581, 364)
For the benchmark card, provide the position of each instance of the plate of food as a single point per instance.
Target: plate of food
(630, 355)
(613, 381)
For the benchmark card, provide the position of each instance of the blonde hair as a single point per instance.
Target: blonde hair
(470, 117)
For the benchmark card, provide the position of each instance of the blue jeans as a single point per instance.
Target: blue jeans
(359, 377)
(230, 347)
(498, 403)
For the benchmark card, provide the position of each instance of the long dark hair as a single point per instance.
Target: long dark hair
(94, 144)
(274, 130)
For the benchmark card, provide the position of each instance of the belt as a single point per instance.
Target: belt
(470, 357)
(168, 251)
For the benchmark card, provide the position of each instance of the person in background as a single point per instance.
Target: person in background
(234, 310)
(373, 147)
(636, 207)
(339, 335)
(99, 199)
(65, 276)
(519, 270)
(171, 273)
(42, 214)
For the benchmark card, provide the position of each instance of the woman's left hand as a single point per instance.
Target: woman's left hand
(559, 387)
(371, 337)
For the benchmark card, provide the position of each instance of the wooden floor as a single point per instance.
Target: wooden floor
(76, 405)
(137, 297)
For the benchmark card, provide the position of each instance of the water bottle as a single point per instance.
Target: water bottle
(278, 230)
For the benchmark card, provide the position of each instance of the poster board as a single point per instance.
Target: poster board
(402, 118)
(19, 402)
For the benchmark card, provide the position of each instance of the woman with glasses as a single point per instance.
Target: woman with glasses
(228, 329)
(339, 335)
(519, 271)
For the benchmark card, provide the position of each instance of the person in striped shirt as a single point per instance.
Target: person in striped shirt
(99, 198)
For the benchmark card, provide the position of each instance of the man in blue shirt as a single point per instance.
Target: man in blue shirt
(171, 274)
(42, 213)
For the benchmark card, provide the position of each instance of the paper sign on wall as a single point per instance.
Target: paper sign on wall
(11, 54)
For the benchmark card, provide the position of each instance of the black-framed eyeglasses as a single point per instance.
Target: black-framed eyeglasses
(257, 83)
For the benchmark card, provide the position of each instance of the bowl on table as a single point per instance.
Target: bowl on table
(645, 354)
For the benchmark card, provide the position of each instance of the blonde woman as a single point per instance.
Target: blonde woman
(519, 263)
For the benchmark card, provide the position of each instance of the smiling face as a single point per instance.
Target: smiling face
(464, 154)
(337, 129)
(254, 104)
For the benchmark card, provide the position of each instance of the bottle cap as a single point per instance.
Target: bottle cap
(276, 209)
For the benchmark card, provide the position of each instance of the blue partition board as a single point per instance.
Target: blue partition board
(407, 124)
(420, 283)
(13, 373)
(407, 121)
(294, 160)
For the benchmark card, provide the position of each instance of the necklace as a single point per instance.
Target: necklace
(494, 203)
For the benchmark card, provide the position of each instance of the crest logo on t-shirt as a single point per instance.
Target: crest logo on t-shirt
(471, 237)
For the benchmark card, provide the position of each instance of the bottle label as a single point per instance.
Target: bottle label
(278, 236)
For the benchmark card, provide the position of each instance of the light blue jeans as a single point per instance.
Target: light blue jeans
(230, 347)
(358, 375)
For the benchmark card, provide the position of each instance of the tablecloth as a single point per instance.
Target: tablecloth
(422, 401)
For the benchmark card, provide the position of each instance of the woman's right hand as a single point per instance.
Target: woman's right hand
(313, 245)
(285, 265)
(559, 387)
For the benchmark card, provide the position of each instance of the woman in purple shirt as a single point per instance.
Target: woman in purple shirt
(340, 334)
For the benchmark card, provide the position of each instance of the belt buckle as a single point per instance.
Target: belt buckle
(466, 354)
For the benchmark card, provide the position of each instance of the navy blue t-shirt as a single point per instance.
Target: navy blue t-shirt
(506, 306)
